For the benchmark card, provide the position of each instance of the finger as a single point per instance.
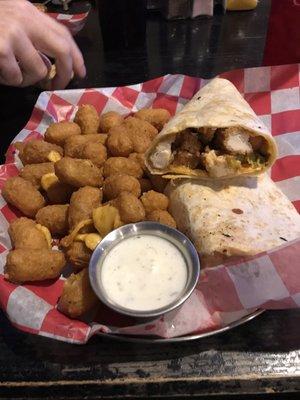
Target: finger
(59, 49)
(59, 44)
(32, 65)
(77, 58)
(78, 61)
(10, 73)
(64, 71)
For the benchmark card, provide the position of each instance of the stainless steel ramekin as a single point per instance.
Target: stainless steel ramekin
(178, 239)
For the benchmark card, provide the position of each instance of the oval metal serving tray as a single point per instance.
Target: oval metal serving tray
(148, 339)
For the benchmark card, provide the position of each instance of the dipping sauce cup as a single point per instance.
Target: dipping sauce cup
(144, 269)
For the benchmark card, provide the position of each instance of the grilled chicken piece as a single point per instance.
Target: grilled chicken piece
(207, 134)
(187, 141)
(234, 141)
(186, 158)
(216, 165)
(189, 150)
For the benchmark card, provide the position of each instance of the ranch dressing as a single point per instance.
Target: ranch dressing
(143, 273)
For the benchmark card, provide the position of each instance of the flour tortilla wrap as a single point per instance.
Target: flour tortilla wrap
(233, 140)
(232, 218)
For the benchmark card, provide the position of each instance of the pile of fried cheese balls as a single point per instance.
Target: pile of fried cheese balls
(85, 179)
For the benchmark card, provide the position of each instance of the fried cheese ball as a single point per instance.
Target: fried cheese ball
(130, 208)
(158, 182)
(163, 217)
(154, 201)
(78, 296)
(74, 144)
(157, 117)
(58, 132)
(116, 184)
(24, 234)
(34, 172)
(121, 165)
(38, 151)
(55, 218)
(139, 158)
(109, 120)
(146, 184)
(59, 193)
(30, 265)
(23, 195)
(87, 118)
(141, 133)
(56, 191)
(76, 172)
(133, 135)
(96, 152)
(140, 128)
(82, 203)
(119, 142)
(78, 254)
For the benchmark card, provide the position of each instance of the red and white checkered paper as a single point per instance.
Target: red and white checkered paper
(74, 22)
(224, 293)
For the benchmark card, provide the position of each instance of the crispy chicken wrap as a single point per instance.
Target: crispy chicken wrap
(215, 135)
(232, 218)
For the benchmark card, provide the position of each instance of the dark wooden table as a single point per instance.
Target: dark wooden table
(257, 360)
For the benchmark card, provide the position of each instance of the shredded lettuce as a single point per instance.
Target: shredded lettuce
(233, 162)
(253, 160)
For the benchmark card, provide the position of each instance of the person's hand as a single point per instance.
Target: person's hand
(24, 31)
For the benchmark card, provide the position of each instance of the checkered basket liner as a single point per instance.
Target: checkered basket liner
(75, 22)
(224, 293)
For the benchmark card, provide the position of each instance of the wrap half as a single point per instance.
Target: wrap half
(215, 135)
(233, 218)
